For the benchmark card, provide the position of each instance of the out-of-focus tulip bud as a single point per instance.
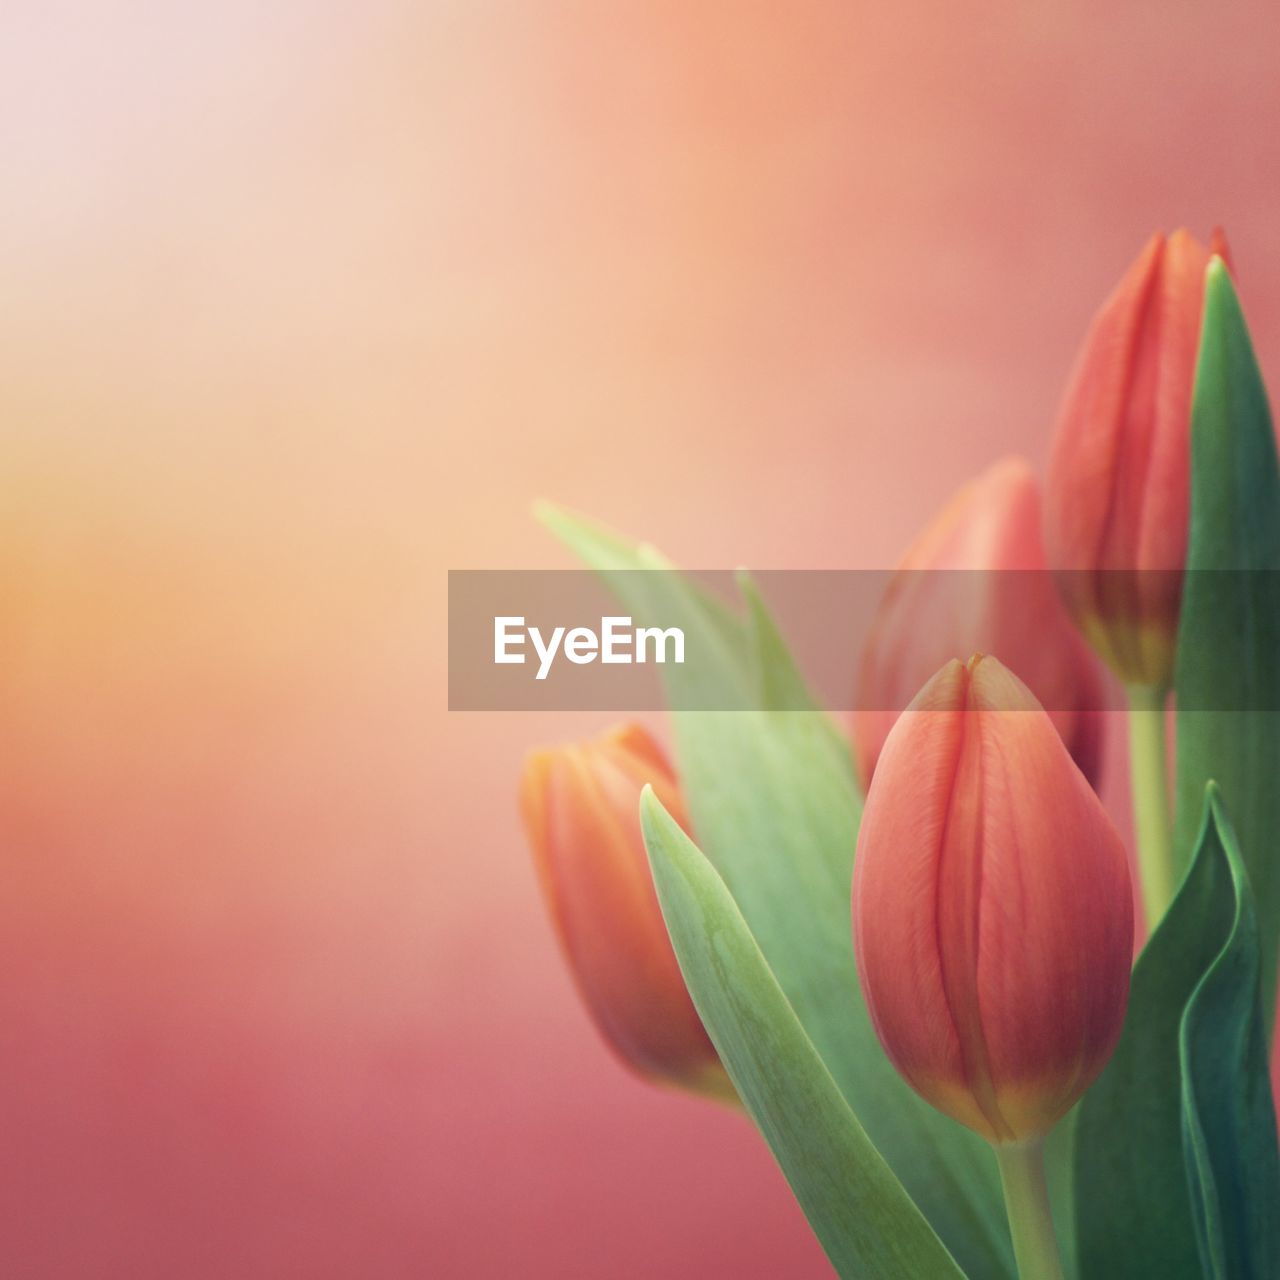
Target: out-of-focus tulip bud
(1004, 602)
(1116, 508)
(580, 805)
(992, 908)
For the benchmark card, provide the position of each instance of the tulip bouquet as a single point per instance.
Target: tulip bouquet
(970, 1074)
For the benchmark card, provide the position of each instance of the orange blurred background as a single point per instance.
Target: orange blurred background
(302, 305)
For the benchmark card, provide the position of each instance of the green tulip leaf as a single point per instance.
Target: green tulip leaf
(775, 805)
(858, 1209)
(1177, 1172)
(1228, 667)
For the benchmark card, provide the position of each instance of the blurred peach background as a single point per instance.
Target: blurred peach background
(302, 305)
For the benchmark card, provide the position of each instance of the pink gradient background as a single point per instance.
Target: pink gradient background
(303, 307)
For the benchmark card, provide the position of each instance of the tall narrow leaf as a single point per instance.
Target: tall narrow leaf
(859, 1211)
(1228, 670)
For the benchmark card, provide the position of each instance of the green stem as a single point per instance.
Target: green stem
(1026, 1198)
(1149, 774)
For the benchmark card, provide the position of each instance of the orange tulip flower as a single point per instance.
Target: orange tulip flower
(580, 805)
(1000, 600)
(1116, 510)
(992, 907)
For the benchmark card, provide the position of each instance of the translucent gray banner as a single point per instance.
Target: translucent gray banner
(862, 639)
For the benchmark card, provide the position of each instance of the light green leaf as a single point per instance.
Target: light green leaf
(775, 805)
(1177, 1173)
(1228, 667)
(859, 1211)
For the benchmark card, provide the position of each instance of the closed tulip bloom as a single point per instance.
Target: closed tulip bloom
(1004, 603)
(992, 907)
(580, 805)
(1116, 511)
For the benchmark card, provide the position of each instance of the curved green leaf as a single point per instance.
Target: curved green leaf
(776, 806)
(859, 1211)
(1228, 1120)
(1228, 668)
(1176, 1165)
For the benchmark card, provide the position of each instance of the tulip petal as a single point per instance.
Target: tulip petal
(992, 907)
(1116, 507)
(975, 580)
(579, 808)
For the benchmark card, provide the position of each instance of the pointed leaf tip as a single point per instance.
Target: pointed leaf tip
(650, 805)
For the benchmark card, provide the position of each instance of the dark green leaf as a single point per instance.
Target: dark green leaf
(1176, 1165)
(867, 1223)
(1228, 1120)
(1228, 669)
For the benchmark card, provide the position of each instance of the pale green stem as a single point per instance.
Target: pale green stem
(1152, 819)
(1026, 1198)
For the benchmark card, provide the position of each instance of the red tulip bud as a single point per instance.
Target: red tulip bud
(580, 806)
(992, 907)
(1116, 508)
(1007, 606)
